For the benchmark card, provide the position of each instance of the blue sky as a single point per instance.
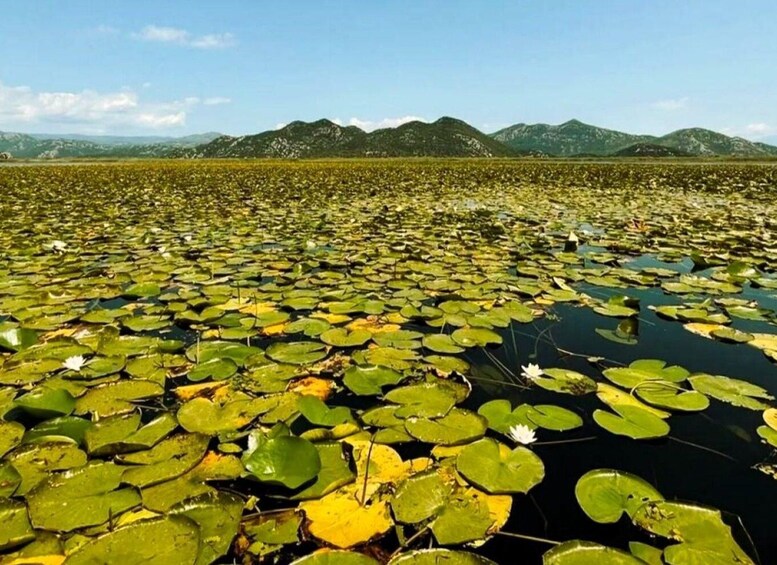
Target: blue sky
(175, 67)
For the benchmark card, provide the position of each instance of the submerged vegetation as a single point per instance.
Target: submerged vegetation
(388, 361)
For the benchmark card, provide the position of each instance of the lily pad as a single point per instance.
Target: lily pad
(87, 496)
(296, 353)
(476, 337)
(585, 552)
(733, 391)
(496, 469)
(286, 460)
(456, 427)
(632, 422)
(139, 542)
(606, 494)
(368, 380)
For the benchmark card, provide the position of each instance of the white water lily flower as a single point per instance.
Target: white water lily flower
(74, 363)
(522, 434)
(531, 371)
(310, 244)
(58, 245)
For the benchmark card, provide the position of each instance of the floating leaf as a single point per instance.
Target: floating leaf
(606, 494)
(631, 421)
(318, 413)
(476, 337)
(419, 497)
(16, 529)
(496, 469)
(366, 380)
(341, 337)
(564, 380)
(732, 391)
(456, 427)
(422, 400)
(82, 497)
(217, 515)
(296, 353)
(585, 552)
(286, 460)
(139, 542)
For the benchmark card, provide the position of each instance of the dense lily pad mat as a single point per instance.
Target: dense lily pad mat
(358, 362)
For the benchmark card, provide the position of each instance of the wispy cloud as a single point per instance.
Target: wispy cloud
(216, 101)
(21, 106)
(104, 29)
(671, 104)
(182, 37)
(371, 125)
(760, 129)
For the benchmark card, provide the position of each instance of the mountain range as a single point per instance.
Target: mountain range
(52, 146)
(446, 137)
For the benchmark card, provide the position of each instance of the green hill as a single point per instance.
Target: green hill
(446, 137)
(576, 138)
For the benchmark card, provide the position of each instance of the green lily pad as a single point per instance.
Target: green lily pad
(215, 369)
(578, 552)
(117, 398)
(341, 337)
(429, 400)
(733, 391)
(16, 529)
(287, 460)
(667, 395)
(45, 402)
(335, 471)
(139, 542)
(566, 381)
(11, 434)
(420, 497)
(496, 469)
(217, 514)
(441, 343)
(170, 458)
(463, 519)
(438, 556)
(270, 532)
(296, 353)
(553, 417)
(17, 339)
(456, 427)
(317, 412)
(368, 380)
(703, 536)
(399, 339)
(82, 497)
(10, 479)
(606, 494)
(476, 337)
(632, 422)
(207, 350)
(204, 416)
(34, 462)
(501, 416)
(645, 370)
(335, 557)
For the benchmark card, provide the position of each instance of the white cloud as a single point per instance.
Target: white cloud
(216, 101)
(370, 125)
(20, 106)
(103, 29)
(281, 125)
(760, 128)
(177, 36)
(671, 104)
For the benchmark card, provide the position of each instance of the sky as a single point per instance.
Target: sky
(174, 67)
